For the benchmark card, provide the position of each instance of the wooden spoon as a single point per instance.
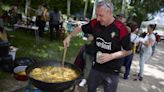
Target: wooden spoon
(64, 55)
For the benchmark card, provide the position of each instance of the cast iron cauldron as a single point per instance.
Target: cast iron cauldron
(52, 87)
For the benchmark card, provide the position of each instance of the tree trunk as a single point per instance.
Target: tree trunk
(68, 7)
(123, 7)
(26, 7)
(94, 9)
(85, 8)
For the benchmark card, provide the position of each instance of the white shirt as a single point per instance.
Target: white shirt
(134, 38)
(147, 38)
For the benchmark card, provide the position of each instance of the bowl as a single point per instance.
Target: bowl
(20, 74)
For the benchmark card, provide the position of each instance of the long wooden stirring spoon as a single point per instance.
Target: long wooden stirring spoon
(64, 55)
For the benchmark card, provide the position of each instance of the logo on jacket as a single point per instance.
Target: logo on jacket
(113, 34)
(100, 42)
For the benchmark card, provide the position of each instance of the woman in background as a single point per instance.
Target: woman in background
(146, 51)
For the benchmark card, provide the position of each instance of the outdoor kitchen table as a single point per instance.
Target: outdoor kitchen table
(30, 27)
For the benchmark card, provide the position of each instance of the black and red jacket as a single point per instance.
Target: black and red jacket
(110, 39)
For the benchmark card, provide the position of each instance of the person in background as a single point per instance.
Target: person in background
(38, 16)
(128, 59)
(111, 43)
(42, 17)
(70, 25)
(54, 22)
(157, 37)
(146, 51)
(121, 17)
(13, 14)
(3, 35)
(134, 40)
(4, 44)
(81, 58)
(61, 20)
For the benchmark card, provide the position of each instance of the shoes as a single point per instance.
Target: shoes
(138, 77)
(83, 82)
(126, 77)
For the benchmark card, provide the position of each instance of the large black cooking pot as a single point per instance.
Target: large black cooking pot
(52, 87)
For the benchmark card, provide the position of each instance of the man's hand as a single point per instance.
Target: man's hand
(67, 41)
(105, 57)
(90, 37)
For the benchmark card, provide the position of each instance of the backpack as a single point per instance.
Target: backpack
(157, 38)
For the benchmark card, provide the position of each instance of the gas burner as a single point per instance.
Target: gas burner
(31, 88)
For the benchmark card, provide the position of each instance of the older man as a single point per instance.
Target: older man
(111, 40)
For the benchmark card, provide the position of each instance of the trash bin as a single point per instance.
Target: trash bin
(4, 48)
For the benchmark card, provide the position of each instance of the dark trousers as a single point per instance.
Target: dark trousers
(54, 32)
(127, 63)
(110, 81)
(41, 25)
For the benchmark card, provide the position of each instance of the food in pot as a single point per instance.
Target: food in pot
(54, 74)
(21, 73)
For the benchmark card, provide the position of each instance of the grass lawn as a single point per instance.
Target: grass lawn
(43, 49)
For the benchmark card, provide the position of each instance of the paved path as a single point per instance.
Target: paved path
(153, 75)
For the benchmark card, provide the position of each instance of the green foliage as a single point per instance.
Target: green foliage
(140, 8)
(137, 10)
(76, 5)
(117, 6)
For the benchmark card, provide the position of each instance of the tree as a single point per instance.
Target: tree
(68, 7)
(86, 7)
(76, 5)
(138, 9)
